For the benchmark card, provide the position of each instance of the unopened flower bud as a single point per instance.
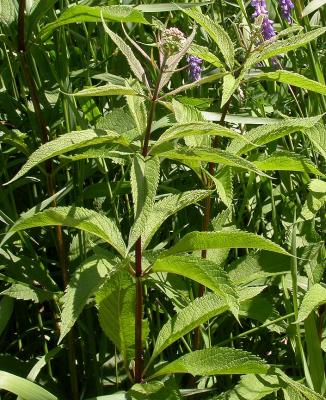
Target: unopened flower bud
(172, 40)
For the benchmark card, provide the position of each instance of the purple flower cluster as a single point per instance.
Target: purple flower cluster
(286, 7)
(267, 28)
(194, 67)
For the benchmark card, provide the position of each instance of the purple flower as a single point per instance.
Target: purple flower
(194, 67)
(267, 28)
(286, 7)
(260, 8)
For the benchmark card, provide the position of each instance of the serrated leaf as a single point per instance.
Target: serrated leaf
(268, 133)
(315, 297)
(194, 314)
(317, 136)
(185, 113)
(163, 209)
(287, 161)
(215, 361)
(228, 88)
(291, 78)
(22, 387)
(166, 7)
(203, 53)
(116, 302)
(217, 33)
(21, 291)
(203, 271)
(65, 143)
(223, 181)
(224, 239)
(75, 217)
(199, 128)
(83, 284)
(315, 200)
(292, 43)
(145, 175)
(83, 13)
(137, 108)
(107, 90)
(126, 50)
(155, 391)
(209, 155)
(258, 266)
(8, 11)
(252, 387)
(299, 388)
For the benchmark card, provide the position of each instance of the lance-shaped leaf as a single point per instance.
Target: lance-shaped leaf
(155, 391)
(65, 143)
(291, 78)
(137, 108)
(312, 6)
(215, 361)
(126, 50)
(84, 283)
(287, 161)
(167, 7)
(317, 136)
(268, 133)
(145, 175)
(223, 240)
(194, 314)
(107, 90)
(199, 128)
(315, 297)
(24, 388)
(116, 301)
(203, 271)
(284, 46)
(203, 53)
(83, 13)
(210, 155)
(22, 291)
(217, 33)
(315, 200)
(229, 87)
(75, 217)
(163, 209)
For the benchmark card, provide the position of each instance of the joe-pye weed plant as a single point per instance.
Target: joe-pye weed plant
(130, 260)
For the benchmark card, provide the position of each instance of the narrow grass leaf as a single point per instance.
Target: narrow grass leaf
(215, 361)
(312, 6)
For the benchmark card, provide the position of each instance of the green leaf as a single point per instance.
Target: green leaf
(252, 387)
(215, 361)
(291, 78)
(22, 387)
(163, 209)
(287, 161)
(204, 54)
(199, 128)
(209, 155)
(84, 283)
(228, 88)
(39, 9)
(317, 136)
(145, 175)
(75, 217)
(284, 46)
(126, 50)
(155, 390)
(268, 133)
(166, 7)
(6, 309)
(21, 291)
(315, 297)
(258, 266)
(82, 13)
(204, 272)
(137, 108)
(8, 12)
(223, 181)
(107, 90)
(116, 301)
(315, 200)
(194, 314)
(298, 388)
(312, 6)
(224, 239)
(65, 143)
(217, 33)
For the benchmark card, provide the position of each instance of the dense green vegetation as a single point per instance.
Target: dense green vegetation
(162, 202)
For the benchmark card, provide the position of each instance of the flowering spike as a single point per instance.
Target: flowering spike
(172, 40)
(194, 67)
(286, 7)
